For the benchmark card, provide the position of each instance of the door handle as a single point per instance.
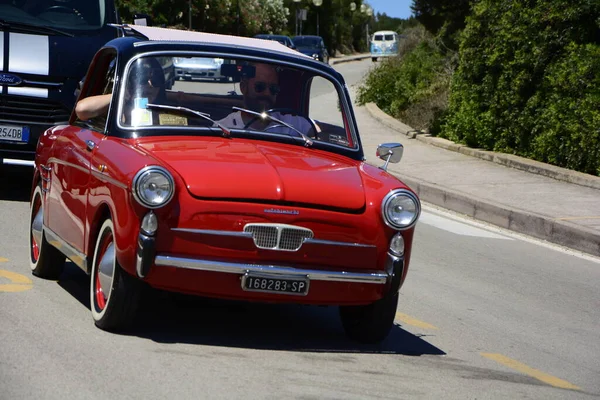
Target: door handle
(89, 145)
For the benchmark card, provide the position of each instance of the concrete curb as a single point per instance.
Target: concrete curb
(559, 232)
(507, 160)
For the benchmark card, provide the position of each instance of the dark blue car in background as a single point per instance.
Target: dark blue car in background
(47, 47)
(312, 46)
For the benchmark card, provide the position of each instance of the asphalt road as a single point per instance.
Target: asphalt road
(484, 314)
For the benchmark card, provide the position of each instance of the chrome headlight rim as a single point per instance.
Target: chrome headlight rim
(392, 195)
(148, 170)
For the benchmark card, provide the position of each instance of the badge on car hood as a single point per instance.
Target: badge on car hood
(9, 79)
(281, 211)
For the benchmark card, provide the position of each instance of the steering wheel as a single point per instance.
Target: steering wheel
(283, 110)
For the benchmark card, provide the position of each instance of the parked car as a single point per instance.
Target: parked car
(384, 44)
(45, 49)
(279, 207)
(188, 68)
(312, 46)
(284, 40)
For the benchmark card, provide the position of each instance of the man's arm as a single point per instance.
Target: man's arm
(92, 106)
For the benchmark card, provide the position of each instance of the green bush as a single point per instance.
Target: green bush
(413, 86)
(528, 82)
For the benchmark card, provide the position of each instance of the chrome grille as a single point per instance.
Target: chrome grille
(278, 236)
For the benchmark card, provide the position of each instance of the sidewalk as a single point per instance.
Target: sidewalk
(504, 190)
(526, 196)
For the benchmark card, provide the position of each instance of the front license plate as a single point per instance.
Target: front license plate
(270, 284)
(14, 133)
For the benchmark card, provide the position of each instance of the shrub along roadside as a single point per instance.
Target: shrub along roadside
(527, 82)
(414, 86)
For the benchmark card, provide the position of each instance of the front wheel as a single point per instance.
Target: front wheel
(373, 59)
(371, 323)
(45, 260)
(114, 294)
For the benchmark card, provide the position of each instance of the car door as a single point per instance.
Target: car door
(71, 162)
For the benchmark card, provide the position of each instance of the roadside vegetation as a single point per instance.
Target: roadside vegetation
(343, 29)
(521, 77)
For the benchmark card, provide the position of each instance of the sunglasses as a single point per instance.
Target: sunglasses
(260, 87)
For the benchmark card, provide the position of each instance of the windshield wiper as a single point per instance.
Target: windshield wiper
(185, 110)
(32, 28)
(307, 141)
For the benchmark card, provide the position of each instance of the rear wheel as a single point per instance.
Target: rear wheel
(371, 323)
(114, 294)
(45, 260)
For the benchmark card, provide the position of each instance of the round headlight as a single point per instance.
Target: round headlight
(153, 187)
(400, 209)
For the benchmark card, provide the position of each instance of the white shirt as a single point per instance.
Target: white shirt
(235, 121)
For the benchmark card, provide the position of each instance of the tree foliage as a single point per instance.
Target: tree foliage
(243, 17)
(442, 18)
(341, 28)
(528, 81)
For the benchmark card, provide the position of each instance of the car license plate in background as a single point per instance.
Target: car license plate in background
(271, 284)
(14, 133)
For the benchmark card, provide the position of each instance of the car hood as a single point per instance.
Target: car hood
(240, 169)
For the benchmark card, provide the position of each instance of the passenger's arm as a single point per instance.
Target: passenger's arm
(92, 106)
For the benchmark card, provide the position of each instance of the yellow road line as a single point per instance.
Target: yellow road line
(2, 259)
(513, 364)
(10, 288)
(413, 322)
(15, 278)
(19, 283)
(576, 218)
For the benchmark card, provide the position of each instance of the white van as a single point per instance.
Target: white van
(384, 44)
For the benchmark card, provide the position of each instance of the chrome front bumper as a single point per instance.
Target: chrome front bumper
(373, 277)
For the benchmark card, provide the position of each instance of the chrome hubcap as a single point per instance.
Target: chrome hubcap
(106, 269)
(36, 226)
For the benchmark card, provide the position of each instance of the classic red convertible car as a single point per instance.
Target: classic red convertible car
(254, 188)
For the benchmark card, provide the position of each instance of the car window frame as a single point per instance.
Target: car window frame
(95, 78)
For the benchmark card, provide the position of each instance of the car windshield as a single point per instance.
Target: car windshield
(307, 42)
(63, 15)
(389, 37)
(213, 95)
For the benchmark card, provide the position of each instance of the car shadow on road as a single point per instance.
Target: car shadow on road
(16, 182)
(174, 318)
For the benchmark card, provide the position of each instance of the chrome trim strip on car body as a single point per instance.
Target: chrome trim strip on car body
(333, 243)
(105, 178)
(372, 277)
(74, 255)
(249, 235)
(214, 232)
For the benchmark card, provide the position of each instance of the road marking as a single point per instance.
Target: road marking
(513, 364)
(407, 319)
(20, 283)
(2, 259)
(456, 227)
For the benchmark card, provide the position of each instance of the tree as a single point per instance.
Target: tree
(443, 18)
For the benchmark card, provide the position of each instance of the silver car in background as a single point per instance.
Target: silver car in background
(188, 68)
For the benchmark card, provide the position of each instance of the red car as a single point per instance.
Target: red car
(252, 189)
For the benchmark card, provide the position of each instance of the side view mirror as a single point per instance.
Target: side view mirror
(390, 153)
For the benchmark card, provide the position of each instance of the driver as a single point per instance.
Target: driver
(260, 95)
